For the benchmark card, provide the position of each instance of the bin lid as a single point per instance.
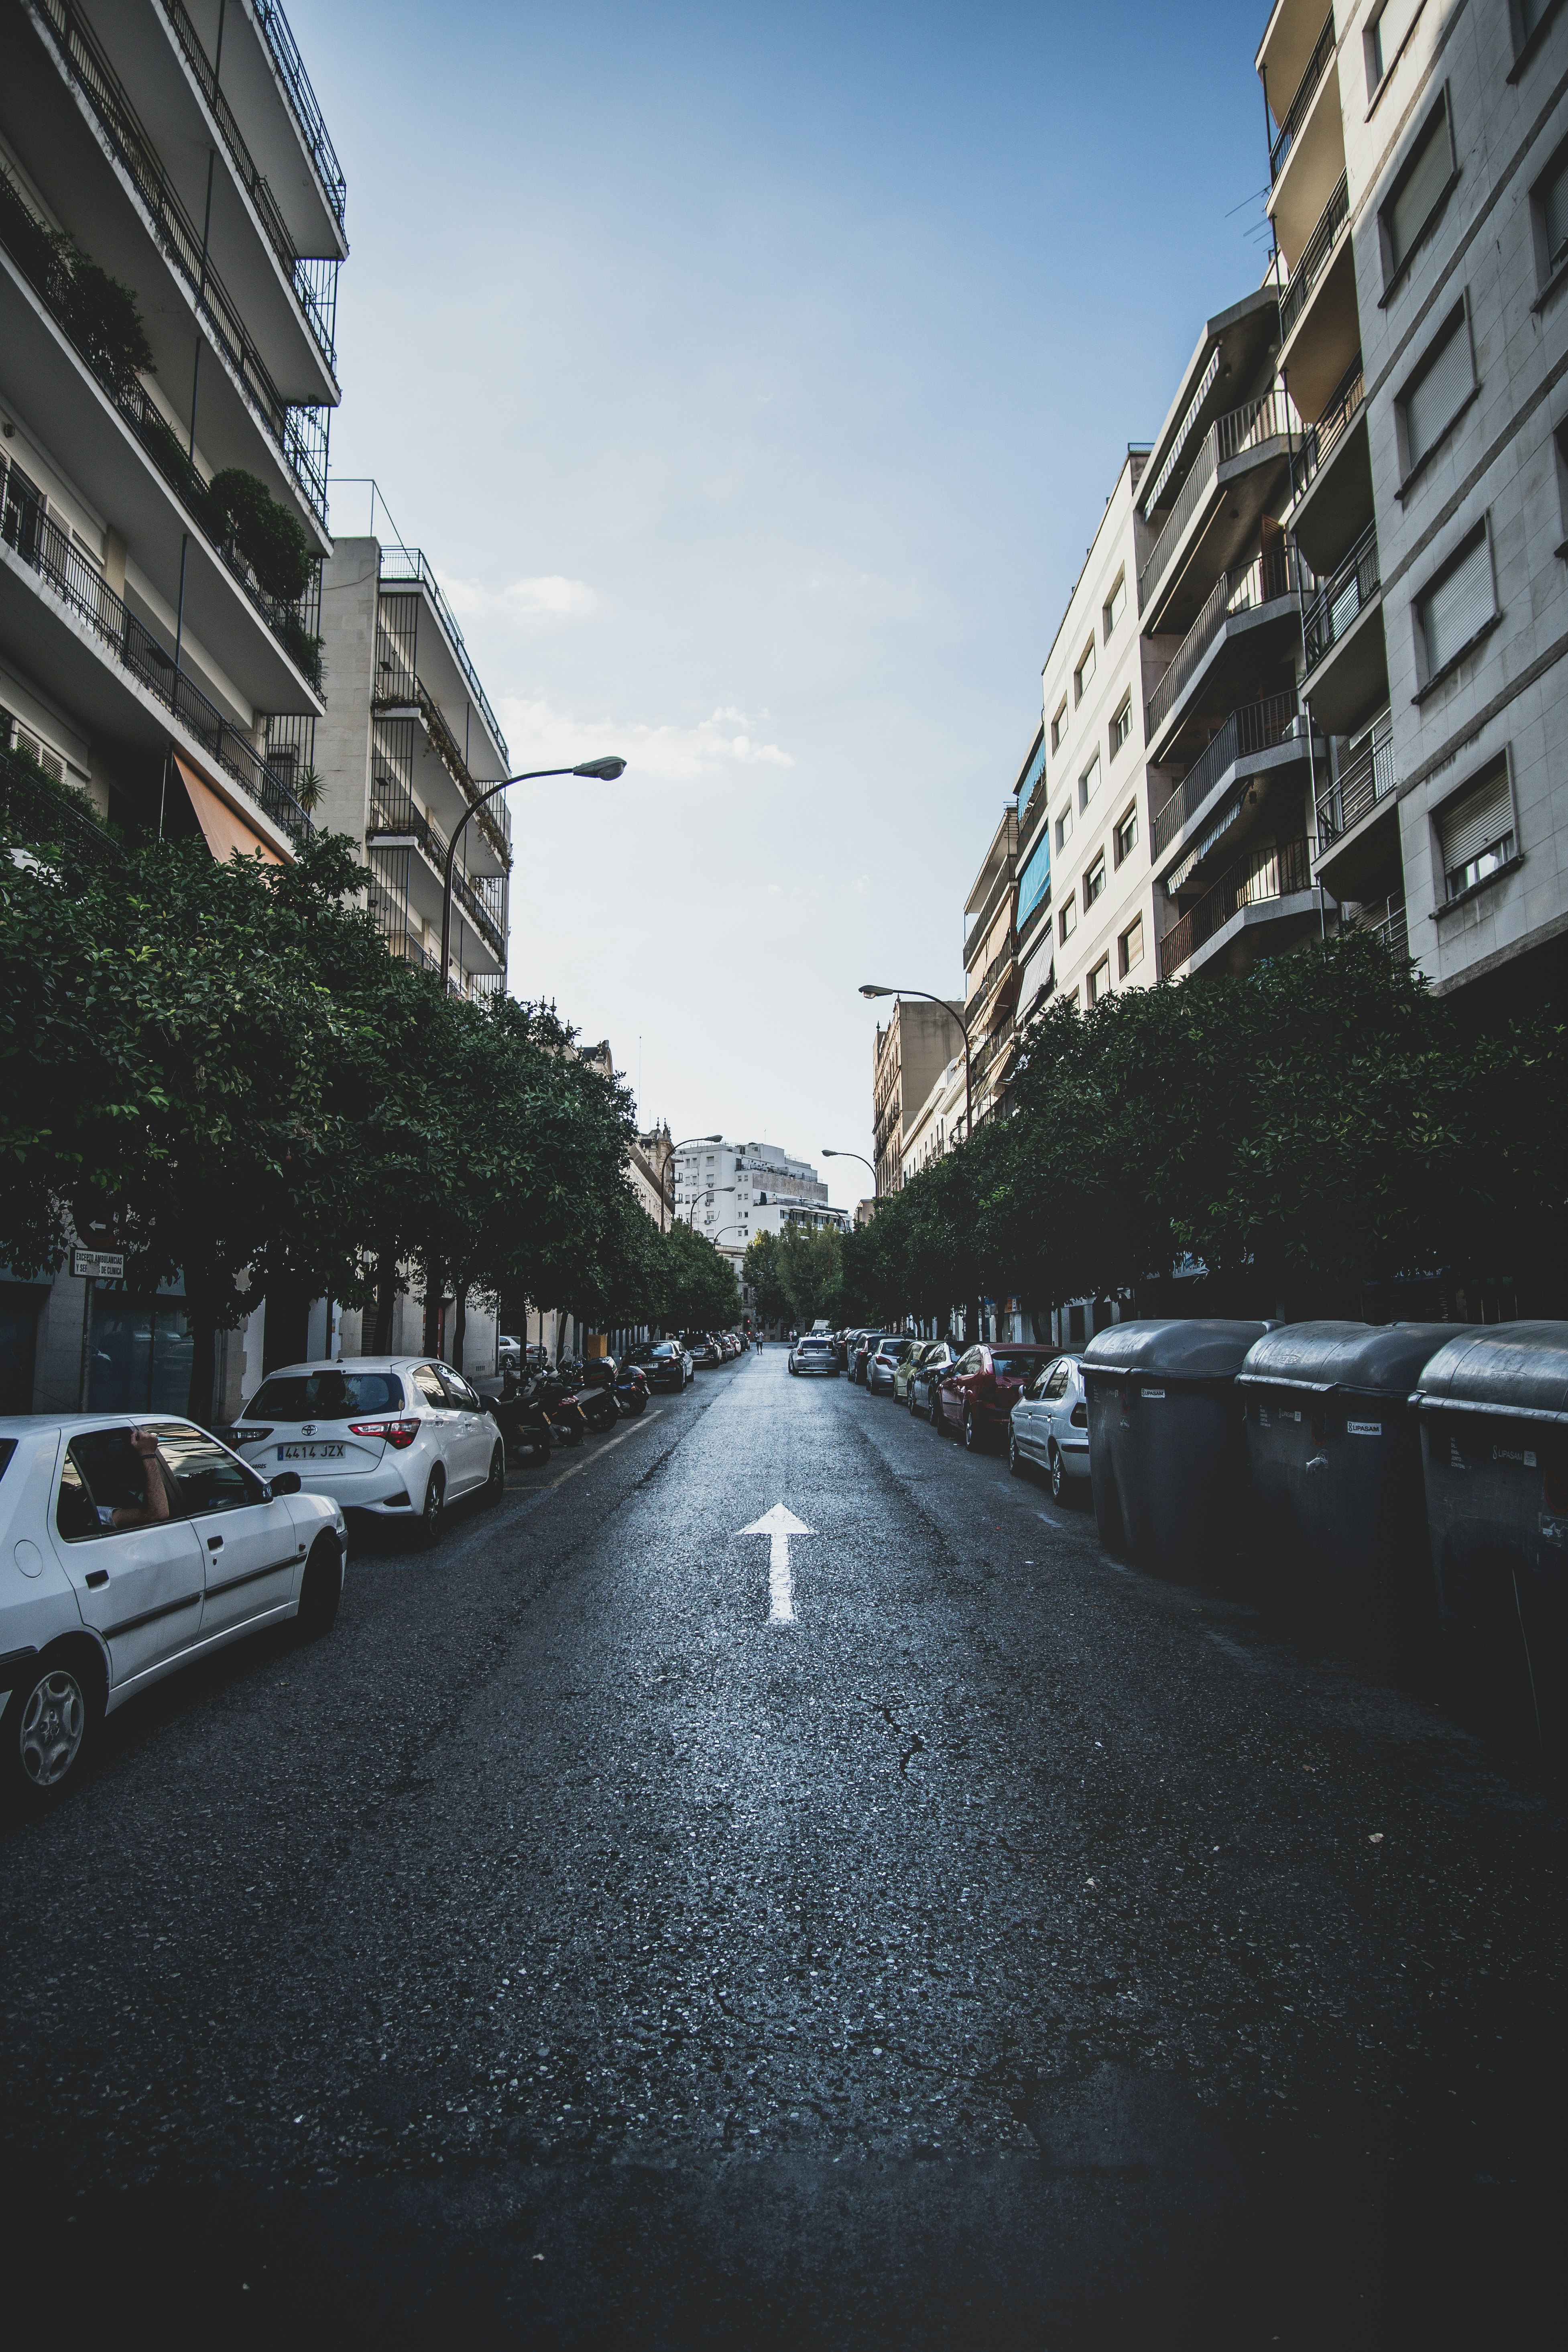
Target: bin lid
(1517, 1369)
(1189, 1348)
(1377, 1358)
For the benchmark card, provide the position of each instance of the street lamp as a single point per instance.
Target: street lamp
(709, 1193)
(925, 995)
(684, 1145)
(603, 772)
(856, 1155)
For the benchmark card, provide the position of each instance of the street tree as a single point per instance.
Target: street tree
(810, 1270)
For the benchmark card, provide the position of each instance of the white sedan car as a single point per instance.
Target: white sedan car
(1049, 1425)
(129, 1548)
(398, 1437)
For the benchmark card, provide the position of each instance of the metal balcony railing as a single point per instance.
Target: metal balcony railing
(1254, 727)
(37, 815)
(83, 64)
(1271, 417)
(315, 282)
(985, 1059)
(1306, 90)
(1152, 495)
(1315, 255)
(1261, 582)
(1342, 598)
(297, 82)
(409, 563)
(51, 553)
(1367, 777)
(392, 812)
(1001, 962)
(1276, 872)
(1390, 926)
(1322, 438)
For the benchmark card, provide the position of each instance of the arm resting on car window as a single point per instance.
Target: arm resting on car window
(156, 1506)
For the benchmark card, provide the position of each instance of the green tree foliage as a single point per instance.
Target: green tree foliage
(811, 1270)
(762, 1279)
(701, 1290)
(272, 540)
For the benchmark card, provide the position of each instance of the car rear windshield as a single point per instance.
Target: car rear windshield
(325, 1396)
(7, 1448)
(817, 1348)
(1016, 1368)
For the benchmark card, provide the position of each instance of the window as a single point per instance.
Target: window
(1059, 726)
(1088, 782)
(1122, 723)
(1130, 946)
(1094, 882)
(427, 1381)
(1456, 607)
(1420, 188)
(103, 1474)
(1116, 604)
(206, 1477)
(1034, 881)
(324, 1396)
(1438, 390)
(1529, 15)
(1069, 918)
(1125, 838)
(1550, 204)
(1056, 1379)
(1084, 672)
(1063, 827)
(1385, 38)
(1100, 980)
(1476, 834)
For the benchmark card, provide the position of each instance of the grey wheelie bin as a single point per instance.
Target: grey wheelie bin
(1493, 1407)
(1167, 1459)
(1333, 1451)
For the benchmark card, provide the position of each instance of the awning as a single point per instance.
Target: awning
(228, 834)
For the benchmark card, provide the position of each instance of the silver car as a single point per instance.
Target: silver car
(884, 1363)
(934, 1367)
(1049, 1426)
(817, 1353)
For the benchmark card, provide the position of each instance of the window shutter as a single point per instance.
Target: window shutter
(1557, 214)
(1436, 393)
(1408, 212)
(1459, 605)
(1479, 821)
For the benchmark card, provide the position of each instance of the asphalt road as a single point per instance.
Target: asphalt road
(1010, 1951)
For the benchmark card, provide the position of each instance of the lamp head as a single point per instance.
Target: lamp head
(867, 990)
(606, 770)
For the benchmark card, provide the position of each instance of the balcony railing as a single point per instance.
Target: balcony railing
(391, 811)
(315, 284)
(1342, 598)
(1155, 490)
(1000, 963)
(1314, 258)
(408, 564)
(292, 625)
(985, 1059)
(56, 558)
(1254, 727)
(297, 82)
(33, 813)
(1261, 582)
(1389, 923)
(1276, 872)
(83, 63)
(1271, 417)
(1322, 438)
(1367, 777)
(1306, 90)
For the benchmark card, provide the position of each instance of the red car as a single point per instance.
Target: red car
(977, 1396)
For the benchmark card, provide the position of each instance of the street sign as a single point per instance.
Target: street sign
(98, 1265)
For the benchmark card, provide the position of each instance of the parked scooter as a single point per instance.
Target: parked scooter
(532, 1412)
(627, 1383)
(591, 1387)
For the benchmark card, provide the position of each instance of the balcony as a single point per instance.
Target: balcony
(1314, 258)
(407, 565)
(1000, 963)
(396, 820)
(1266, 885)
(1367, 777)
(1296, 113)
(1319, 318)
(1358, 820)
(1309, 153)
(51, 821)
(1217, 508)
(986, 1060)
(1346, 664)
(96, 617)
(306, 113)
(1244, 596)
(1252, 732)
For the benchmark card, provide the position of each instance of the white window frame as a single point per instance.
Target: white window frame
(1122, 722)
(1097, 865)
(1122, 851)
(1097, 995)
(1059, 726)
(1110, 612)
(1089, 782)
(1083, 671)
(1483, 774)
(1064, 826)
(1131, 963)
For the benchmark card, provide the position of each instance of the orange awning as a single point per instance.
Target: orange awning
(228, 834)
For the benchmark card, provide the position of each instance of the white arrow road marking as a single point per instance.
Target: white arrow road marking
(778, 1525)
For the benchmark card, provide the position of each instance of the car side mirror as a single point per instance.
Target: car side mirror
(286, 1483)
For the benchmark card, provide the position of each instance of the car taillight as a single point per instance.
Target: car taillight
(399, 1434)
(1080, 1416)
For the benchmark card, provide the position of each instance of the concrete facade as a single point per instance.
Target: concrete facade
(907, 1057)
(726, 1191)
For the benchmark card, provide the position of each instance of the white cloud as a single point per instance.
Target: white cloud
(540, 735)
(524, 604)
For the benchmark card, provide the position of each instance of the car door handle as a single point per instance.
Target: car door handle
(214, 1543)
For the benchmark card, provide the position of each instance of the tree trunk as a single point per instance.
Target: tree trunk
(435, 1284)
(459, 1321)
(385, 1302)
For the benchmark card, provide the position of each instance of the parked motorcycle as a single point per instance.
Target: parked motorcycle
(631, 1390)
(531, 1413)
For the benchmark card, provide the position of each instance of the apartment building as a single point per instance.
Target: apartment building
(407, 744)
(906, 1058)
(1086, 919)
(170, 230)
(725, 1191)
(937, 1125)
(1419, 169)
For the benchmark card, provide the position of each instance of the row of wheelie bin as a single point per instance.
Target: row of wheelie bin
(1401, 1488)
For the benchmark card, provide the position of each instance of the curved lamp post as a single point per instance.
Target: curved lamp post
(926, 997)
(860, 1156)
(715, 1194)
(604, 770)
(684, 1145)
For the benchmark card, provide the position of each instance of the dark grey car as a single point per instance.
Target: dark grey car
(817, 1353)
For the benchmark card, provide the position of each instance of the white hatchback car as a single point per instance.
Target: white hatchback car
(398, 1437)
(131, 1547)
(1049, 1425)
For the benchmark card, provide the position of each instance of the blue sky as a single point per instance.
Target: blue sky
(753, 378)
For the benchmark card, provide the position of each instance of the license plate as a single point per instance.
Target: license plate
(311, 1453)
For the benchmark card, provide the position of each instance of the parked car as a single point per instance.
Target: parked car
(927, 1370)
(975, 1396)
(133, 1547)
(666, 1362)
(1049, 1427)
(861, 1352)
(397, 1437)
(816, 1353)
(509, 1354)
(706, 1351)
(883, 1363)
(904, 1371)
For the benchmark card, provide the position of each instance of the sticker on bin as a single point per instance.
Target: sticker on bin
(1149, 1395)
(1512, 1454)
(1364, 1429)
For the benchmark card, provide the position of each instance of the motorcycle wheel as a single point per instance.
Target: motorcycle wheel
(567, 1432)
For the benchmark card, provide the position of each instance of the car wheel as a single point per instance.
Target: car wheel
(429, 1534)
(1058, 1473)
(970, 1434)
(48, 1727)
(495, 1484)
(1015, 1459)
(321, 1588)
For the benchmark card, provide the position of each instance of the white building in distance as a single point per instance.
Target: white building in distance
(730, 1192)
